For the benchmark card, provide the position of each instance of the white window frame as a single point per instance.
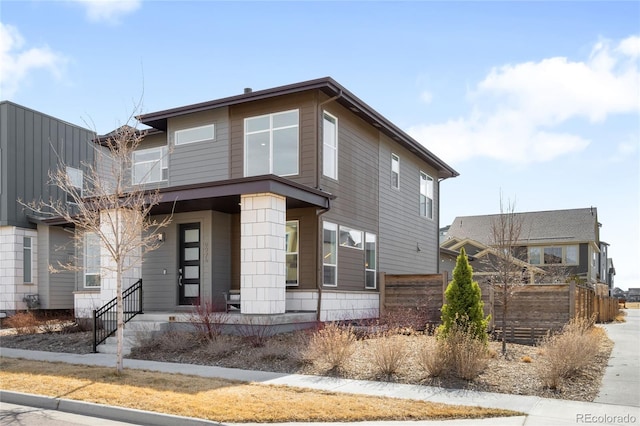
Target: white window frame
(330, 152)
(426, 191)
(27, 254)
(75, 178)
(351, 232)
(85, 257)
(395, 170)
(184, 132)
(541, 249)
(162, 160)
(296, 253)
(367, 267)
(271, 130)
(331, 227)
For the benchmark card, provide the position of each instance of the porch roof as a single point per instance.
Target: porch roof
(225, 195)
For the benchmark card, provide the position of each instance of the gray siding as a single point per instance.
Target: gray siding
(221, 253)
(204, 161)
(402, 229)
(31, 144)
(61, 284)
(356, 191)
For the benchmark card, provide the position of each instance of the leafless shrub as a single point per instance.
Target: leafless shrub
(207, 321)
(331, 346)
(569, 351)
(221, 347)
(24, 322)
(171, 341)
(256, 331)
(432, 358)
(408, 320)
(388, 350)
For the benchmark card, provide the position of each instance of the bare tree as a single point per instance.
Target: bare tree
(110, 207)
(507, 271)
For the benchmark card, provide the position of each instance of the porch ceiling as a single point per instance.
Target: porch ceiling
(225, 195)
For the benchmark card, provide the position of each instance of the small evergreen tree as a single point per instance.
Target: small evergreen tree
(464, 305)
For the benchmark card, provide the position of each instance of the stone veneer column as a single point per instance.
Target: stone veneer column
(262, 254)
(132, 271)
(12, 285)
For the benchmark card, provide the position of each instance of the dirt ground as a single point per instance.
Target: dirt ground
(514, 374)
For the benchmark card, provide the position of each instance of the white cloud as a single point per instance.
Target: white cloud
(109, 11)
(426, 97)
(624, 150)
(517, 108)
(16, 62)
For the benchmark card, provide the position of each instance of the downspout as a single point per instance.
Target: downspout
(319, 256)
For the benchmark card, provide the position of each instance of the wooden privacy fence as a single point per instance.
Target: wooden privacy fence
(533, 309)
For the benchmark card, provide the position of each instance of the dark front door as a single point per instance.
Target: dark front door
(189, 272)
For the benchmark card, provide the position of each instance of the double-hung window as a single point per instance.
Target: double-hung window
(291, 243)
(370, 261)
(395, 171)
(75, 180)
(195, 134)
(271, 144)
(91, 260)
(27, 260)
(150, 165)
(330, 145)
(426, 195)
(330, 254)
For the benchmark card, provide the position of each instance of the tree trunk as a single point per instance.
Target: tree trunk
(119, 320)
(504, 321)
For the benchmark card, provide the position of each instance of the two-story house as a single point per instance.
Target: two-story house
(563, 243)
(294, 197)
(32, 144)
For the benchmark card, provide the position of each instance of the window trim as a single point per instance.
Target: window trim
(349, 229)
(85, 256)
(164, 165)
(429, 215)
(270, 131)
(27, 248)
(334, 229)
(395, 160)
(325, 146)
(175, 134)
(375, 259)
(297, 253)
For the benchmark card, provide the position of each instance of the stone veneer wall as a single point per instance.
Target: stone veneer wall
(12, 285)
(336, 305)
(84, 303)
(262, 254)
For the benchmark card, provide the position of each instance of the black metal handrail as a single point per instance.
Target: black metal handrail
(105, 321)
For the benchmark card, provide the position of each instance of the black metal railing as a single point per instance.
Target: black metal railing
(105, 321)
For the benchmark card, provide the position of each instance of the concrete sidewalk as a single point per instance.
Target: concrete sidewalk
(618, 404)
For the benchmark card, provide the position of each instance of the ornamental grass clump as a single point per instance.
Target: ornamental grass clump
(388, 351)
(331, 347)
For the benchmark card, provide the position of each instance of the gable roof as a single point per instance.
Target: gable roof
(331, 88)
(543, 227)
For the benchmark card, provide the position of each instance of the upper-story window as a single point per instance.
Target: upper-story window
(271, 144)
(150, 165)
(554, 255)
(426, 195)
(330, 145)
(395, 171)
(75, 178)
(195, 134)
(350, 237)
(91, 260)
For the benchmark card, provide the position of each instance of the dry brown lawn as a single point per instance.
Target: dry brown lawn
(217, 399)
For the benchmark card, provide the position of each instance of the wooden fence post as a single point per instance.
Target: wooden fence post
(383, 293)
(572, 300)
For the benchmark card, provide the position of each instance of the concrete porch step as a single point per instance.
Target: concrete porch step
(138, 328)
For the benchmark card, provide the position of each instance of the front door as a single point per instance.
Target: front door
(189, 266)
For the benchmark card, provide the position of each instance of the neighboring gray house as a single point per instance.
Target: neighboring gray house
(31, 144)
(551, 240)
(294, 197)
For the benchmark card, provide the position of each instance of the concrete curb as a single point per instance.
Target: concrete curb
(119, 414)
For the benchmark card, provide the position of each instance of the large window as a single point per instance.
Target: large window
(395, 171)
(330, 254)
(195, 134)
(426, 195)
(350, 238)
(271, 144)
(370, 261)
(292, 252)
(27, 260)
(554, 255)
(75, 178)
(91, 260)
(330, 145)
(150, 165)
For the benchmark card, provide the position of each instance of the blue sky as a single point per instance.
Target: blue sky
(539, 101)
